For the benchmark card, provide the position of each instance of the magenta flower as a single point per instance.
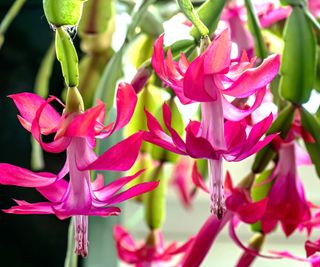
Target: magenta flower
(76, 132)
(152, 253)
(199, 145)
(207, 80)
(287, 202)
(235, 16)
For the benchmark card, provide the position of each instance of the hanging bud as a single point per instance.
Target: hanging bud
(140, 79)
(298, 64)
(63, 12)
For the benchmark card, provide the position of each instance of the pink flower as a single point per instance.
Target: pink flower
(287, 203)
(76, 132)
(197, 145)
(207, 80)
(235, 16)
(152, 253)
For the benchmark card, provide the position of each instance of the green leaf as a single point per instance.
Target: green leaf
(155, 201)
(298, 64)
(67, 55)
(254, 27)
(189, 11)
(209, 13)
(311, 123)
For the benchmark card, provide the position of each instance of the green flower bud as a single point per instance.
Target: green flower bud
(63, 12)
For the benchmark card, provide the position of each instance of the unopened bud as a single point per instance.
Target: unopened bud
(140, 79)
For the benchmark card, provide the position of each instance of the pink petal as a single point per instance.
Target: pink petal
(273, 16)
(83, 125)
(126, 102)
(167, 117)
(253, 79)
(158, 136)
(194, 81)
(13, 175)
(28, 208)
(160, 67)
(54, 192)
(217, 55)
(197, 178)
(98, 183)
(198, 147)
(233, 113)
(56, 146)
(28, 104)
(105, 193)
(120, 157)
(134, 191)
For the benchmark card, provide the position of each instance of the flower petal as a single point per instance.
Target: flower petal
(106, 192)
(255, 78)
(13, 175)
(217, 55)
(233, 113)
(28, 104)
(194, 81)
(120, 157)
(31, 208)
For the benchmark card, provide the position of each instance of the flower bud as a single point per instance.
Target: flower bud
(63, 12)
(140, 79)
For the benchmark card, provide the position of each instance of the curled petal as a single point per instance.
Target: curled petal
(217, 55)
(198, 147)
(233, 113)
(28, 104)
(253, 79)
(194, 82)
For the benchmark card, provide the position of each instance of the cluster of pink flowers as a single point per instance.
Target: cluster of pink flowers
(230, 91)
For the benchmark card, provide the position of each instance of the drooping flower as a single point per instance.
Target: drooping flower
(238, 147)
(76, 131)
(207, 80)
(287, 202)
(152, 253)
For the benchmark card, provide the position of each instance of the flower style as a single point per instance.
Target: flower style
(152, 253)
(76, 132)
(207, 80)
